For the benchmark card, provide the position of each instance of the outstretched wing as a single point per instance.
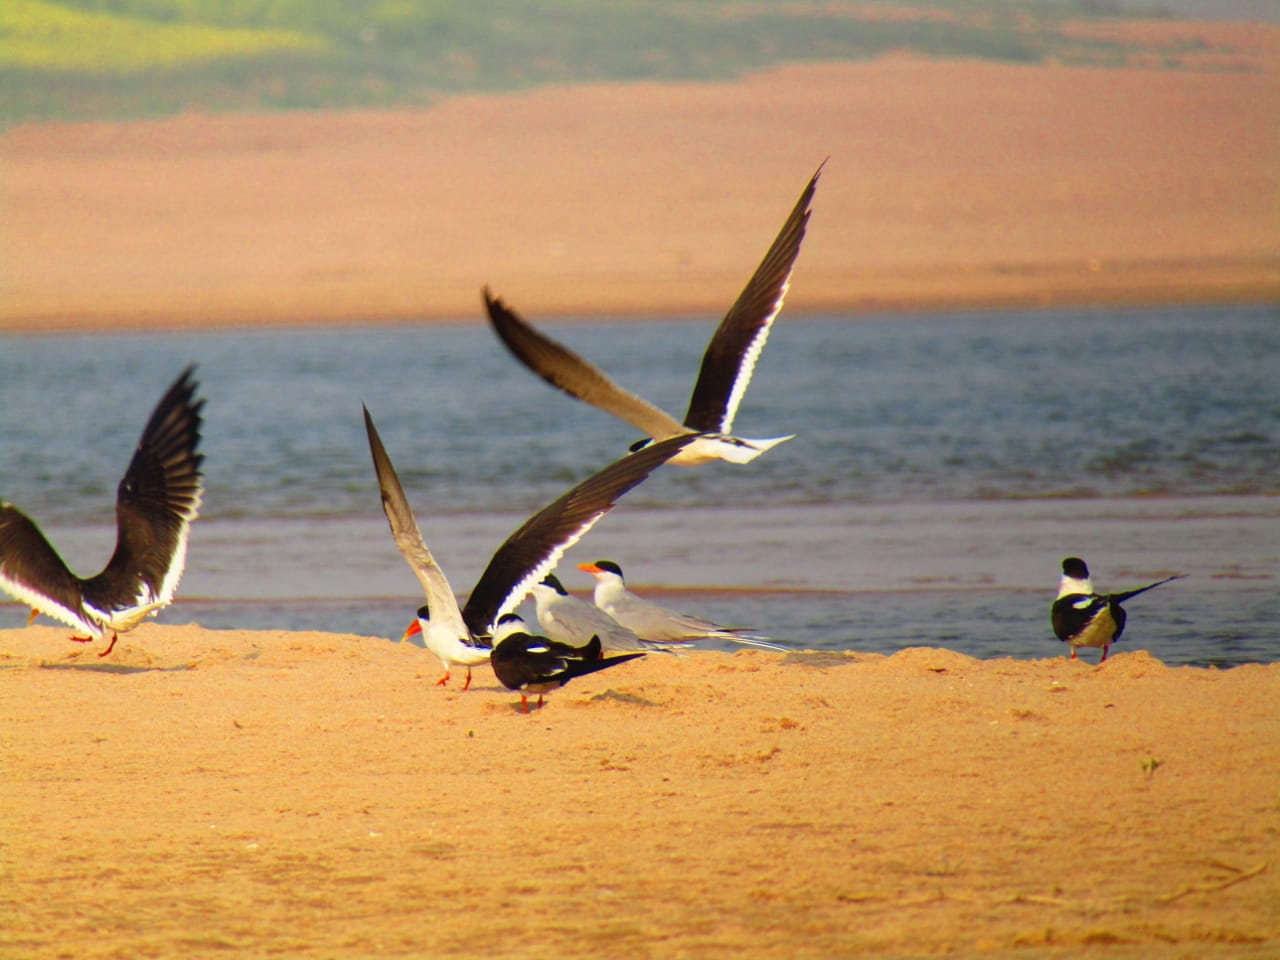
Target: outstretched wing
(441, 600)
(32, 571)
(156, 502)
(533, 551)
(565, 370)
(731, 356)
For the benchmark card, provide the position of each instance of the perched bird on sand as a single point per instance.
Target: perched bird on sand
(450, 645)
(654, 622)
(727, 364)
(568, 619)
(1083, 618)
(156, 502)
(458, 635)
(533, 664)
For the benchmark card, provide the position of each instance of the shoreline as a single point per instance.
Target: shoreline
(1243, 284)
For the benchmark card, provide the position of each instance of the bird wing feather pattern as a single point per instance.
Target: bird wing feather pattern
(730, 358)
(530, 553)
(566, 371)
(28, 559)
(441, 599)
(158, 498)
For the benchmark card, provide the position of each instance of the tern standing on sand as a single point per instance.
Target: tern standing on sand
(457, 635)
(1083, 618)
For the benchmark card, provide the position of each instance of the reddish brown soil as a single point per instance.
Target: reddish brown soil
(947, 183)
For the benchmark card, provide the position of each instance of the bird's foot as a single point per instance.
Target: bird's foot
(467, 685)
(443, 680)
(110, 646)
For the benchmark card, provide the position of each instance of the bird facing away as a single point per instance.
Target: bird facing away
(532, 664)
(524, 558)
(1083, 618)
(653, 621)
(156, 502)
(568, 619)
(727, 364)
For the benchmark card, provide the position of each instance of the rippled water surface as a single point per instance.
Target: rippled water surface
(942, 466)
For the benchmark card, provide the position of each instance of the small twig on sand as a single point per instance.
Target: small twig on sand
(1240, 877)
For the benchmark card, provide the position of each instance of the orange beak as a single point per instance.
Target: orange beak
(588, 568)
(414, 628)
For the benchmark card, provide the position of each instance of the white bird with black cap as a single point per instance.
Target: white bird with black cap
(462, 635)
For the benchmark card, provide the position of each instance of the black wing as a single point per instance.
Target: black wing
(32, 571)
(155, 504)
(532, 552)
(565, 370)
(731, 355)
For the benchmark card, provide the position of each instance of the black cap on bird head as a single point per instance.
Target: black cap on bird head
(1075, 568)
(552, 581)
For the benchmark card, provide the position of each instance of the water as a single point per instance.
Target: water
(942, 467)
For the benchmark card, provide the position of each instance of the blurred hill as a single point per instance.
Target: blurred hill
(114, 59)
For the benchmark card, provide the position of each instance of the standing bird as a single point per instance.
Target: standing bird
(531, 664)
(446, 642)
(156, 501)
(456, 635)
(1083, 618)
(652, 621)
(567, 619)
(727, 365)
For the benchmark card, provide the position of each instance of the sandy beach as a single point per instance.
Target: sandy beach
(947, 183)
(236, 793)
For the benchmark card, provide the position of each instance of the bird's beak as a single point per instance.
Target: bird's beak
(413, 629)
(32, 619)
(588, 568)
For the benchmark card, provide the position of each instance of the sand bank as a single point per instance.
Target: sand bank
(948, 183)
(205, 792)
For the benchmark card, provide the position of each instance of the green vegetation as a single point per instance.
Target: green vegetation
(116, 58)
(39, 36)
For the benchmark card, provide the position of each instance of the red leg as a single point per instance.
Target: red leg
(110, 646)
(524, 703)
(443, 680)
(1104, 654)
(467, 685)
(1073, 653)
(81, 639)
(539, 701)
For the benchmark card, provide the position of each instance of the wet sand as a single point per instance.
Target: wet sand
(223, 792)
(947, 183)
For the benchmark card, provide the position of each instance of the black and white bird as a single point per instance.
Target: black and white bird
(1083, 618)
(727, 364)
(568, 619)
(533, 664)
(655, 622)
(156, 502)
(452, 646)
(455, 634)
